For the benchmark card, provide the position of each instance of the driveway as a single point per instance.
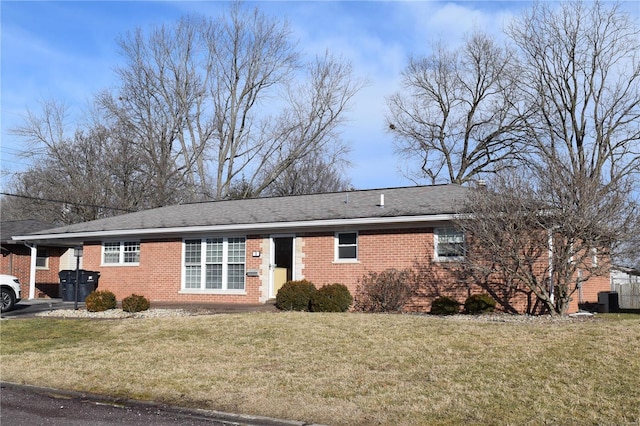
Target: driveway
(29, 308)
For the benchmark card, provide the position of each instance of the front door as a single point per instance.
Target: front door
(281, 263)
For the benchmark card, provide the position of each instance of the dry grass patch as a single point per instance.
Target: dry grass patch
(344, 368)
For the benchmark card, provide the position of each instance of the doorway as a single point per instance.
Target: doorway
(282, 262)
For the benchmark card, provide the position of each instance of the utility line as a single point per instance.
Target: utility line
(13, 151)
(66, 202)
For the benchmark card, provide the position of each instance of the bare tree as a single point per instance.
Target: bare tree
(159, 88)
(43, 129)
(76, 176)
(313, 174)
(68, 184)
(307, 127)
(204, 109)
(215, 100)
(543, 234)
(456, 113)
(581, 77)
(560, 220)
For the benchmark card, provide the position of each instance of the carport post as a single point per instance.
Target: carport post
(77, 252)
(32, 270)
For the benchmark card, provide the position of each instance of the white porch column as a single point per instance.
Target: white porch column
(32, 271)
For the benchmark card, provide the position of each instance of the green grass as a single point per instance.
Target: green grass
(345, 368)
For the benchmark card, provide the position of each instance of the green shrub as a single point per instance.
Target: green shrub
(135, 303)
(479, 304)
(98, 301)
(331, 298)
(444, 306)
(386, 291)
(295, 296)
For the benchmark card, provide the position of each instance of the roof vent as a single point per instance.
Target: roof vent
(381, 201)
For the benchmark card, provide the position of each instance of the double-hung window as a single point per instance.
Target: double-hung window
(449, 243)
(214, 264)
(346, 246)
(121, 253)
(42, 259)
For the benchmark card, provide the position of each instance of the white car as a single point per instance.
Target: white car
(10, 286)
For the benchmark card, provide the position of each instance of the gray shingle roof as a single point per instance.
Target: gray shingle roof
(21, 227)
(406, 201)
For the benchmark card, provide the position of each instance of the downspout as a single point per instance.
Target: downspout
(32, 270)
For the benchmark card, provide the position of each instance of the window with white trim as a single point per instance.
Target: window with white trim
(346, 246)
(449, 243)
(42, 259)
(121, 253)
(214, 264)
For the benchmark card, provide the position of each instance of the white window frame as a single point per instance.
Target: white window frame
(437, 236)
(203, 267)
(46, 259)
(337, 247)
(122, 251)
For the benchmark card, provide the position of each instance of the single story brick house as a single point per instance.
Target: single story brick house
(242, 251)
(36, 266)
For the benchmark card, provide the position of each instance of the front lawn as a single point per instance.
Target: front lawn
(344, 368)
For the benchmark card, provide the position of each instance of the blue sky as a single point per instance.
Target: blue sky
(66, 50)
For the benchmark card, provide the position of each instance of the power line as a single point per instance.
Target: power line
(66, 202)
(14, 151)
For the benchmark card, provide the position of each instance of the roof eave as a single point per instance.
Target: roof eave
(248, 228)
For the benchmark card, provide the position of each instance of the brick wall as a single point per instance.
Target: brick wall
(16, 260)
(47, 280)
(158, 276)
(377, 251)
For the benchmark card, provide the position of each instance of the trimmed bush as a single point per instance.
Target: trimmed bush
(479, 304)
(99, 301)
(295, 296)
(331, 298)
(386, 291)
(135, 303)
(444, 306)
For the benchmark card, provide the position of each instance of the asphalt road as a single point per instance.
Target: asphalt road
(28, 308)
(31, 406)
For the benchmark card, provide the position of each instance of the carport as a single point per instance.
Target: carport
(35, 261)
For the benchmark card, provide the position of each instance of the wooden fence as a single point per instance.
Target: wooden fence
(628, 291)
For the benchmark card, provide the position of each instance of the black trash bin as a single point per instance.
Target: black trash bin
(88, 283)
(67, 282)
(608, 302)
